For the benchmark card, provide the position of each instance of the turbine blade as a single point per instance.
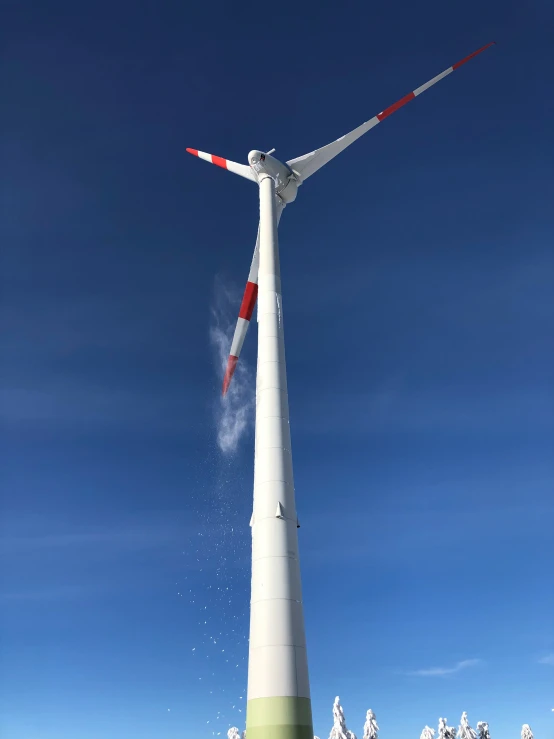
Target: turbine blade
(307, 164)
(246, 309)
(241, 169)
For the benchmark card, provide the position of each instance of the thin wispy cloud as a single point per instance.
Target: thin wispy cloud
(51, 558)
(234, 412)
(548, 659)
(443, 671)
(57, 593)
(107, 540)
(402, 408)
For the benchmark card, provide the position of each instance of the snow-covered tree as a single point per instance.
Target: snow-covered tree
(483, 729)
(244, 734)
(526, 732)
(370, 727)
(445, 731)
(233, 733)
(464, 729)
(427, 733)
(339, 730)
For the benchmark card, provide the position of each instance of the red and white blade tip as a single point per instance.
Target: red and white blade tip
(412, 95)
(218, 161)
(229, 372)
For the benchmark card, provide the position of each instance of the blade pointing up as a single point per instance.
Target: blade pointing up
(306, 165)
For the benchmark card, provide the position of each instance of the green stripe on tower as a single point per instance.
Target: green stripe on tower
(279, 718)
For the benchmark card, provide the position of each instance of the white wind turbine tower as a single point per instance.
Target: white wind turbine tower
(279, 705)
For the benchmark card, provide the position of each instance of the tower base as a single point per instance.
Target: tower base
(279, 718)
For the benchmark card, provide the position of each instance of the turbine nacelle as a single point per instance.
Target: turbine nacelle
(265, 163)
(286, 183)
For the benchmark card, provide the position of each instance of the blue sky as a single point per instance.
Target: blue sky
(417, 287)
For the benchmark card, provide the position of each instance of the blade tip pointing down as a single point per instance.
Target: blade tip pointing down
(229, 372)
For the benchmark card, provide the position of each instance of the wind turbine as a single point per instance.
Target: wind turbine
(279, 705)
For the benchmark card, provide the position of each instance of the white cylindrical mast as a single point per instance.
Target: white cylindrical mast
(279, 705)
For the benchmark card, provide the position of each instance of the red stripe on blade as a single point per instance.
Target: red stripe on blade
(393, 108)
(219, 161)
(248, 301)
(467, 58)
(193, 151)
(231, 364)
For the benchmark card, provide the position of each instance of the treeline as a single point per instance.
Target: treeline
(371, 728)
